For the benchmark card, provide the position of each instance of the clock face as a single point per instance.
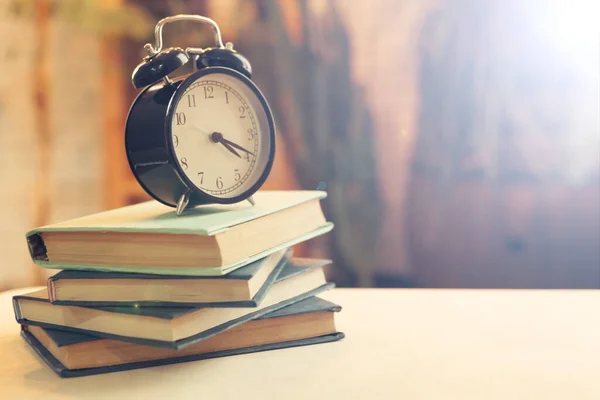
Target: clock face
(221, 134)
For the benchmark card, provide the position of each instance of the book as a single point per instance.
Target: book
(207, 240)
(74, 354)
(244, 287)
(170, 327)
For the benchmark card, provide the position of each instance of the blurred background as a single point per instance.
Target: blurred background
(459, 141)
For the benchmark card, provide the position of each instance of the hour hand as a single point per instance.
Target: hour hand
(217, 137)
(231, 149)
(237, 146)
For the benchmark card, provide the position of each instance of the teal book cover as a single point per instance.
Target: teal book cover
(203, 221)
(208, 220)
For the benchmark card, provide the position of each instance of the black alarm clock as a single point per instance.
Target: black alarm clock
(203, 138)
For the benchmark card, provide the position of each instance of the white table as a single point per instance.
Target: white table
(400, 344)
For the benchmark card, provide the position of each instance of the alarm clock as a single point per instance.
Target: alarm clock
(207, 137)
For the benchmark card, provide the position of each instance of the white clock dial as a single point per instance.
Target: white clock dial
(220, 135)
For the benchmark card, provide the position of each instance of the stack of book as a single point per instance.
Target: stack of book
(140, 286)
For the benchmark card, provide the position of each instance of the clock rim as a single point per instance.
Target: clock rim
(171, 107)
(147, 186)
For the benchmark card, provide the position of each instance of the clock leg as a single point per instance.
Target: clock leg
(251, 200)
(183, 202)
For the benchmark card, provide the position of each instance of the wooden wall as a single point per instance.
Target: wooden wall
(479, 234)
(18, 164)
(64, 95)
(50, 131)
(505, 178)
(385, 37)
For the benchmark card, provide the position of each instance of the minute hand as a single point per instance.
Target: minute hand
(231, 149)
(237, 146)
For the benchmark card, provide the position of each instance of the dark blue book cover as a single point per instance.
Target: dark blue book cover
(65, 339)
(313, 304)
(64, 372)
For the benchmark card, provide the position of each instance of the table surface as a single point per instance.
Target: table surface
(400, 344)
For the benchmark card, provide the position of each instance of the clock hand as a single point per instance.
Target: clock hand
(217, 137)
(231, 149)
(237, 146)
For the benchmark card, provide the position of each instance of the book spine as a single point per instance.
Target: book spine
(51, 289)
(37, 247)
(17, 308)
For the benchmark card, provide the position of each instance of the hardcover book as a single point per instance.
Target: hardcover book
(170, 327)
(244, 287)
(74, 354)
(207, 240)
